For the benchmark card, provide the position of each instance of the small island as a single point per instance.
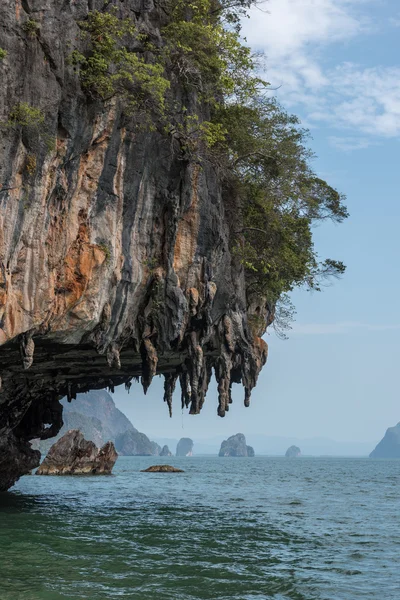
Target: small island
(389, 446)
(165, 451)
(185, 447)
(293, 452)
(162, 469)
(236, 446)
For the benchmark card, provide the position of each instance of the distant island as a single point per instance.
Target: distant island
(185, 447)
(293, 452)
(236, 446)
(100, 421)
(389, 446)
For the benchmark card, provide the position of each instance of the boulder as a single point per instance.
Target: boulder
(185, 447)
(73, 455)
(236, 446)
(162, 469)
(293, 452)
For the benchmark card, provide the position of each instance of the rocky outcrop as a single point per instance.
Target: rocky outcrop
(389, 446)
(185, 447)
(236, 446)
(293, 452)
(134, 443)
(162, 469)
(165, 451)
(116, 254)
(73, 455)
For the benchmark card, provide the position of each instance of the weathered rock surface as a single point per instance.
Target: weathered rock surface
(115, 254)
(236, 446)
(293, 452)
(73, 455)
(389, 446)
(184, 447)
(162, 469)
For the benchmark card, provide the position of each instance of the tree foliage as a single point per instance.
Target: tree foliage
(225, 115)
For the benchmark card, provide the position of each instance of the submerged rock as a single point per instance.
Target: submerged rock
(185, 447)
(73, 455)
(389, 446)
(293, 452)
(165, 451)
(162, 469)
(236, 446)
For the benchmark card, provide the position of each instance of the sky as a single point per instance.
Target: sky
(335, 64)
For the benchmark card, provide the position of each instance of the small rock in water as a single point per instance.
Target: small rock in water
(162, 469)
(73, 455)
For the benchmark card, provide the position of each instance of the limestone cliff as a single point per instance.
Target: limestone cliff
(389, 446)
(115, 252)
(185, 447)
(235, 445)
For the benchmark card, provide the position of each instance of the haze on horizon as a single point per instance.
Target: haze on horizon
(336, 377)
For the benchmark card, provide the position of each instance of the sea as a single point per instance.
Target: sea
(226, 528)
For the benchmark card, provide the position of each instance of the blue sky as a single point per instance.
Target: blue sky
(337, 66)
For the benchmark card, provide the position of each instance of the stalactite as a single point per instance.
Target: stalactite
(27, 349)
(149, 365)
(170, 380)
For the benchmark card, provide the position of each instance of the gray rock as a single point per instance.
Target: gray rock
(184, 447)
(293, 452)
(389, 446)
(134, 443)
(73, 455)
(236, 446)
(165, 451)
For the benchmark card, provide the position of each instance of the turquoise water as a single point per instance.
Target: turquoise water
(244, 529)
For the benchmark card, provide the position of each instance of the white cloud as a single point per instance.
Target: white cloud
(295, 36)
(348, 144)
(338, 328)
(395, 21)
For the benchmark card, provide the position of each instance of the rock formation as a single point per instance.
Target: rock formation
(99, 420)
(236, 446)
(116, 254)
(162, 469)
(134, 443)
(293, 452)
(165, 451)
(389, 446)
(73, 455)
(184, 447)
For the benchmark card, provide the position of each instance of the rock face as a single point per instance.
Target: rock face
(162, 469)
(293, 452)
(389, 446)
(236, 446)
(185, 447)
(115, 254)
(73, 455)
(165, 451)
